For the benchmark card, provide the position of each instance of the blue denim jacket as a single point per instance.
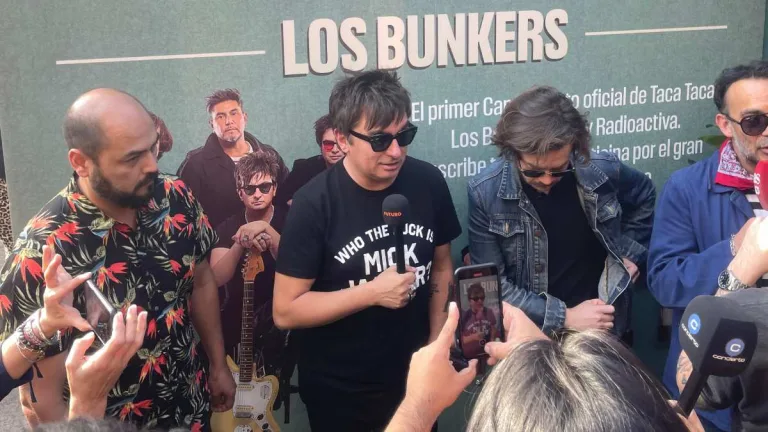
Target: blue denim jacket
(505, 229)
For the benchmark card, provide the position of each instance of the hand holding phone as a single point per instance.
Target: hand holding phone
(480, 311)
(99, 312)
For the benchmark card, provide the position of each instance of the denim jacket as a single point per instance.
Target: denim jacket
(505, 229)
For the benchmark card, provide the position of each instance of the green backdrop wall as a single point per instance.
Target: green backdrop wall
(643, 70)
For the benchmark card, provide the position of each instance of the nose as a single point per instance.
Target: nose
(547, 180)
(394, 151)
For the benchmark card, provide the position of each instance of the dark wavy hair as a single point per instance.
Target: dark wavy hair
(755, 69)
(321, 125)
(220, 96)
(377, 95)
(541, 120)
(256, 163)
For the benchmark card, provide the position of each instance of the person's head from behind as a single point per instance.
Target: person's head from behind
(476, 297)
(112, 143)
(741, 98)
(542, 131)
(166, 139)
(226, 116)
(589, 382)
(326, 139)
(256, 178)
(83, 424)
(370, 114)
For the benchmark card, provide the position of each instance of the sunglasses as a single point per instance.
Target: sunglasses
(477, 298)
(752, 125)
(381, 141)
(263, 188)
(533, 173)
(328, 145)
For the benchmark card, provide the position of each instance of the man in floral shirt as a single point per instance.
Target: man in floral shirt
(146, 241)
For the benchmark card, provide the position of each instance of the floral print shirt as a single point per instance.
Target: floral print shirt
(151, 266)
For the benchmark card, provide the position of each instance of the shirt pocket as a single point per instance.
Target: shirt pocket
(609, 209)
(512, 241)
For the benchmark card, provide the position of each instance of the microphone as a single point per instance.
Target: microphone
(761, 170)
(717, 340)
(395, 209)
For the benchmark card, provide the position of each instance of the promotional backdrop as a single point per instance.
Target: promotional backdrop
(643, 71)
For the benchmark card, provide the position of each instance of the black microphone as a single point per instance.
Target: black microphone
(718, 341)
(395, 209)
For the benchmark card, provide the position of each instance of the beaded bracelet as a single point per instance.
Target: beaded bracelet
(38, 330)
(22, 341)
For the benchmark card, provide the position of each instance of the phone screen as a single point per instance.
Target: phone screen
(99, 313)
(480, 318)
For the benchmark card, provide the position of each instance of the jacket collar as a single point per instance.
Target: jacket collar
(588, 177)
(712, 164)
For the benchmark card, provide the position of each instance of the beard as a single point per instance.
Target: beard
(742, 149)
(134, 199)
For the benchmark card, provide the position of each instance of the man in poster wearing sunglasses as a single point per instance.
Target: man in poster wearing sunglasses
(567, 228)
(305, 170)
(706, 209)
(336, 278)
(257, 229)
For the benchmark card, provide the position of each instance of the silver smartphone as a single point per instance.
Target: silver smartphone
(98, 312)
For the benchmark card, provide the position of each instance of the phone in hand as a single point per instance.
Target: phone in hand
(478, 296)
(98, 312)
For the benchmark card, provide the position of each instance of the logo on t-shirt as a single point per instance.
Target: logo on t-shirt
(376, 258)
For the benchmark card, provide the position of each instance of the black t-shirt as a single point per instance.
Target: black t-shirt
(333, 235)
(268, 340)
(302, 172)
(576, 258)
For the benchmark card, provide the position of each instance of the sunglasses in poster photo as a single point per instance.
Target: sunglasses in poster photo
(264, 188)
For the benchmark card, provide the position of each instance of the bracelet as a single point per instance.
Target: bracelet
(21, 351)
(38, 330)
(732, 243)
(23, 342)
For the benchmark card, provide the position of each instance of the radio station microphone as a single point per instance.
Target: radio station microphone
(761, 170)
(395, 209)
(717, 340)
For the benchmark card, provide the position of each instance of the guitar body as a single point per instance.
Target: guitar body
(252, 411)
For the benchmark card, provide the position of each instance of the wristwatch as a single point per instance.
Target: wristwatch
(728, 282)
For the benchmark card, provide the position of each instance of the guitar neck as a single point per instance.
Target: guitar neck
(246, 335)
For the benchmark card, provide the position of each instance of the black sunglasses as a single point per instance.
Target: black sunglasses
(532, 173)
(752, 125)
(381, 141)
(477, 298)
(263, 188)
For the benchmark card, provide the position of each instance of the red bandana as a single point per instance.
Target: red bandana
(730, 172)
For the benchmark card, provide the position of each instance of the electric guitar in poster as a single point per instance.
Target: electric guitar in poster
(255, 396)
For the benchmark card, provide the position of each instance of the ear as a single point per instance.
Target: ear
(725, 125)
(210, 121)
(80, 162)
(341, 140)
(245, 119)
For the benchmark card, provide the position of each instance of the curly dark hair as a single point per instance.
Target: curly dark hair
(541, 120)
(321, 125)
(256, 163)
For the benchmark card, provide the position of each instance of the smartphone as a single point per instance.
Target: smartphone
(477, 294)
(98, 312)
